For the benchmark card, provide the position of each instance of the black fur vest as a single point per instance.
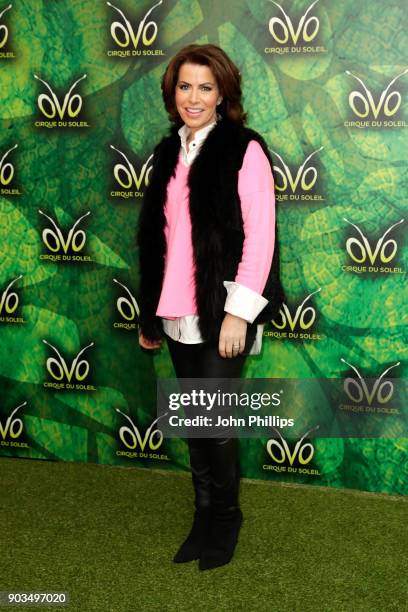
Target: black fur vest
(217, 228)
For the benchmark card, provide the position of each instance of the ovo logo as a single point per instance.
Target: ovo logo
(302, 452)
(128, 308)
(306, 178)
(3, 28)
(389, 102)
(6, 170)
(131, 437)
(123, 33)
(9, 301)
(126, 175)
(357, 390)
(304, 316)
(360, 250)
(54, 239)
(58, 368)
(14, 427)
(308, 28)
(50, 106)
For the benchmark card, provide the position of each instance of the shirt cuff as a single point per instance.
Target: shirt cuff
(243, 302)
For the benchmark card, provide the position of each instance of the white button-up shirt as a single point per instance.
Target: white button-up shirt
(240, 301)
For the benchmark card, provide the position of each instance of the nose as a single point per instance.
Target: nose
(193, 95)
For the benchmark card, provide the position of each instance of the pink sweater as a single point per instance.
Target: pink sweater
(256, 191)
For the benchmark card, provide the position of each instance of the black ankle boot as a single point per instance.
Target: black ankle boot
(222, 539)
(195, 541)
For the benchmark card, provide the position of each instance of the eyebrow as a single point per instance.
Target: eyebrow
(206, 83)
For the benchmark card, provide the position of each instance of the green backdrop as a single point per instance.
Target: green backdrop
(326, 84)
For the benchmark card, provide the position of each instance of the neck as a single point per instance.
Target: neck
(193, 131)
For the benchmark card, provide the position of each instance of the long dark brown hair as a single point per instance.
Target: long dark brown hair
(225, 72)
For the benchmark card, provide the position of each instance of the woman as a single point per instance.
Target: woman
(206, 242)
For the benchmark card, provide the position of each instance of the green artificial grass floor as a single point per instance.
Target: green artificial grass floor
(107, 534)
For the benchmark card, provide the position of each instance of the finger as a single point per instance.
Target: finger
(229, 349)
(238, 346)
(242, 344)
(221, 347)
(235, 351)
(234, 348)
(142, 341)
(149, 344)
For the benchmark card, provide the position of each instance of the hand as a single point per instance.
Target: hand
(232, 336)
(149, 344)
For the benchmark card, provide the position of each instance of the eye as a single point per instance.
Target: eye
(206, 88)
(183, 87)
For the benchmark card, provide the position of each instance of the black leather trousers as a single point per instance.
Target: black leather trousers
(214, 461)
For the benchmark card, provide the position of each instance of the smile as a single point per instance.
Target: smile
(194, 111)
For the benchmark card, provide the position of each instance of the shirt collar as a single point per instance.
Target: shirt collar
(199, 136)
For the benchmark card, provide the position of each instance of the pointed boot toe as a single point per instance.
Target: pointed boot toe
(193, 545)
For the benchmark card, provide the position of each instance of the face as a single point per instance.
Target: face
(196, 96)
